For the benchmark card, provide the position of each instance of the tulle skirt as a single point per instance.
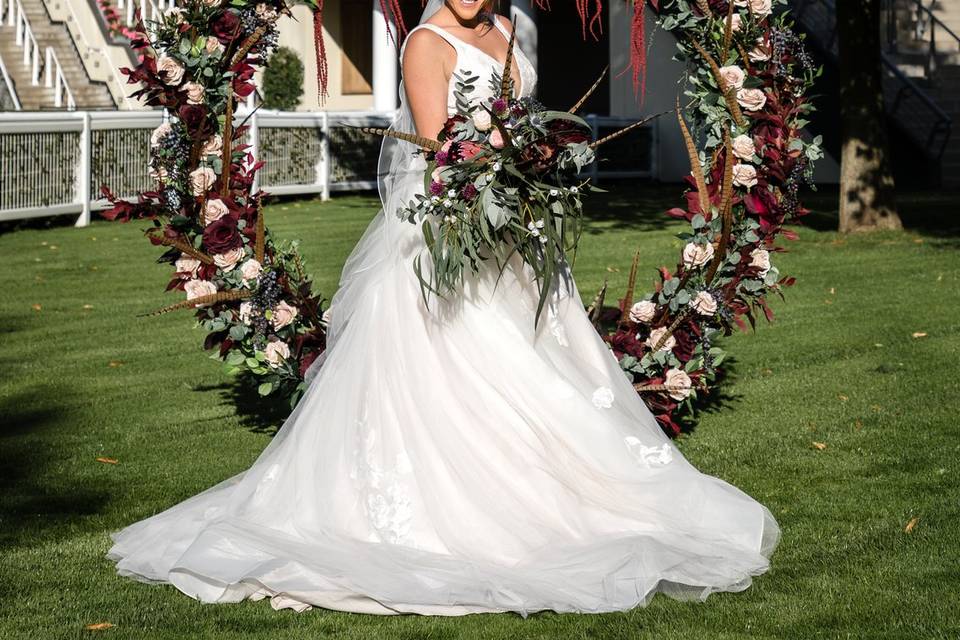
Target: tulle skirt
(450, 458)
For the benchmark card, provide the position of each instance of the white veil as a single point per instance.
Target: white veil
(400, 174)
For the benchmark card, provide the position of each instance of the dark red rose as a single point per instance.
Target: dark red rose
(193, 115)
(222, 235)
(226, 27)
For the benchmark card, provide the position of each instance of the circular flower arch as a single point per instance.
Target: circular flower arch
(746, 96)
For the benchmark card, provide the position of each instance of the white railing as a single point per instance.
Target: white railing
(53, 79)
(10, 88)
(25, 39)
(55, 163)
(149, 10)
(50, 67)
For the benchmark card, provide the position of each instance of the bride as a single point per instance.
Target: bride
(449, 458)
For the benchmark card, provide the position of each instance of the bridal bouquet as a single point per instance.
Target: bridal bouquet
(503, 177)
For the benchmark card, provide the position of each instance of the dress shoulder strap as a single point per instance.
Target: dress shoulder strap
(502, 29)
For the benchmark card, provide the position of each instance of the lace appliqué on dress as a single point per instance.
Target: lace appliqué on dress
(603, 398)
(649, 456)
(384, 490)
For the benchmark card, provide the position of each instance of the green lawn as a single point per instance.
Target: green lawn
(84, 377)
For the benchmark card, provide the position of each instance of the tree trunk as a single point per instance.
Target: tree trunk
(867, 200)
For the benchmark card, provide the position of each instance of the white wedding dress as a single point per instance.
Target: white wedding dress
(453, 459)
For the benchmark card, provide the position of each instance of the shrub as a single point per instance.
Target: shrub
(283, 80)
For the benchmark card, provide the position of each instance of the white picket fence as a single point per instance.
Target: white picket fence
(55, 163)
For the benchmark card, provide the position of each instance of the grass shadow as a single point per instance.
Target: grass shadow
(33, 508)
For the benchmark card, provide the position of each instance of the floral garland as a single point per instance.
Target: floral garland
(748, 79)
(249, 291)
(115, 25)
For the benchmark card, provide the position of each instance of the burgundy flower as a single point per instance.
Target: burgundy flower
(194, 116)
(436, 188)
(226, 27)
(499, 105)
(222, 235)
(469, 192)
(442, 158)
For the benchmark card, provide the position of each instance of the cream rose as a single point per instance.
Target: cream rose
(250, 270)
(276, 352)
(743, 147)
(744, 175)
(736, 23)
(761, 8)
(213, 146)
(187, 267)
(246, 312)
(227, 261)
(760, 258)
(195, 92)
(655, 337)
(159, 134)
(481, 120)
(283, 314)
(212, 45)
(213, 210)
(697, 255)
(643, 311)
(704, 304)
(169, 70)
(760, 53)
(198, 288)
(201, 180)
(733, 76)
(679, 383)
(752, 99)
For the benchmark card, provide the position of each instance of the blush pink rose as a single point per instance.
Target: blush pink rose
(496, 139)
(276, 352)
(213, 210)
(744, 148)
(697, 255)
(704, 304)
(169, 70)
(283, 314)
(733, 76)
(195, 92)
(679, 383)
(250, 270)
(643, 311)
(745, 175)
(230, 259)
(199, 288)
(187, 267)
(752, 99)
(213, 146)
(201, 180)
(655, 337)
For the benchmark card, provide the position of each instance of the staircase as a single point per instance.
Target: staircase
(923, 40)
(921, 80)
(55, 57)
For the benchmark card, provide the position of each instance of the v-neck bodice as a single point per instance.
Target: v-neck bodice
(480, 63)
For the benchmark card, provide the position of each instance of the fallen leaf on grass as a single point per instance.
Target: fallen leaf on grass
(843, 398)
(108, 460)
(819, 446)
(98, 626)
(857, 424)
(833, 290)
(36, 307)
(918, 240)
(115, 363)
(919, 334)
(88, 306)
(911, 525)
(613, 270)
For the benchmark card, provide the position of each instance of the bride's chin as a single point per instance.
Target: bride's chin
(466, 9)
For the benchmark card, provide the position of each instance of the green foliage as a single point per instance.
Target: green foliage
(283, 80)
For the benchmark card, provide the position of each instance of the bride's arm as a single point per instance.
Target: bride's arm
(427, 62)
